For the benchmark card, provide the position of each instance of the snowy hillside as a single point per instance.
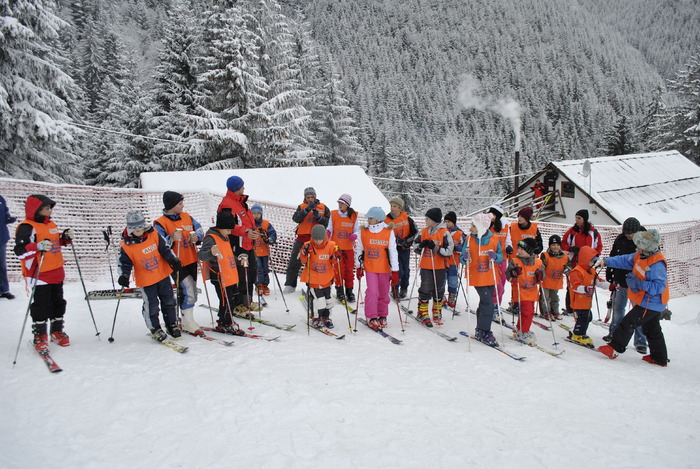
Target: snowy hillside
(310, 401)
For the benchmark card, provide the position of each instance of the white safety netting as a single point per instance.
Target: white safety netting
(91, 210)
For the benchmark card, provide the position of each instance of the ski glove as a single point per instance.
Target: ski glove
(306, 249)
(45, 245)
(359, 273)
(509, 250)
(394, 278)
(68, 234)
(123, 280)
(633, 282)
(614, 287)
(352, 237)
(176, 265)
(427, 244)
(516, 271)
(311, 206)
(590, 290)
(464, 259)
(317, 216)
(538, 275)
(492, 255)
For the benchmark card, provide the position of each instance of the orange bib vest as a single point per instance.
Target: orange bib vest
(401, 226)
(525, 288)
(304, 228)
(482, 271)
(321, 265)
(554, 272)
(431, 260)
(518, 234)
(376, 247)
(53, 259)
(262, 249)
(228, 272)
(342, 228)
(501, 235)
(149, 266)
(639, 270)
(457, 238)
(183, 249)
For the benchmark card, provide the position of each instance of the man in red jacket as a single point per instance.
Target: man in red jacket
(241, 237)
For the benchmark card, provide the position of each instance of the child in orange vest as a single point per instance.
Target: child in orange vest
(38, 242)
(219, 265)
(583, 280)
(342, 230)
(647, 285)
(452, 276)
(556, 267)
(152, 260)
(435, 246)
(262, 248)
(482, 254)
(182, 233)
(525, 273)
(320, 257)
(376, 254)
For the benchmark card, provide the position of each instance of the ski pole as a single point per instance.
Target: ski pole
(114, 321)
(206, 291)
(107, 234)
(359, 300)
(549, 316)
(398, 308)
(340, 276)
(177, 281)
(413, 286)
(435, 300)
(80, 274)
(243, 259)
(498, 301)
(31, 298)
(279, 285)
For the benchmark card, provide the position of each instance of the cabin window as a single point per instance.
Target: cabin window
(568, 189)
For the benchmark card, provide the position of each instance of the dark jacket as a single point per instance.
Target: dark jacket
(5, 219)
(124, 262)
(621, 246)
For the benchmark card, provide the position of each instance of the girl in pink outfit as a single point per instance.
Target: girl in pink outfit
(375, 254)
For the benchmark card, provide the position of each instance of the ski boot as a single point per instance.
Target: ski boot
(452, 300)
(173, 330)
(403, 293)
(581, 340)
(382, 322)
(57, 335)
(608, 351)
(648, 359)
(325, 318)
(349, 295)
(437, 312)
(374, 324)
(340, 294)
(41, 339)
(158, 334)
(486, 337)
(189, 324)
(422, 314)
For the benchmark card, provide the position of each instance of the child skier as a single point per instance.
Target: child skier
(525, 273)
(147, 253)
(517, 231)
(452, 276)
(320, 257)
(482, 254)
(556, 266)
(501, 231)
(405, 231)
(182, 233)
(38, 244)
(376, 255)
(219, 265)
(262, 248)
(648, 290)
(342, 230)
(435, 246)
(583, 280)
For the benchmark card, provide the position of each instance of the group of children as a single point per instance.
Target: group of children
(334, 250)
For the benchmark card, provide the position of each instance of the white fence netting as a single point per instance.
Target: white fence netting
(91, 210)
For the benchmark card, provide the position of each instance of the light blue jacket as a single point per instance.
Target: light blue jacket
(653, 286)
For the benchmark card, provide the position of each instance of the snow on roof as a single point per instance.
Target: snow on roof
(279, 186)
(660, 187)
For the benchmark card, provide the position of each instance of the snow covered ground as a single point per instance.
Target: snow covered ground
(309, 401)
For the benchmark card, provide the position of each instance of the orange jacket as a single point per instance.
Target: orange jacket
(183, 249)
(402, 228)
(430, 259)
(305, 226)
(482, 271)
(321, 264)
(262, 249)
(53, 259)
(582, 275)
(517, 234)
(457, 236)
(376, 250)
(226, 267)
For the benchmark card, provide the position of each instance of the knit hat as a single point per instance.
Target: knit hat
(256, 209)
(482, 221)
(631, 226)
(528, 244)
(647, 240)
(309, 191)
(583, 213)
(234, 183)
(526, 213)
(225, 221)
(398, 201)
(346, 199)
(555, 239)
(451, 216)
(318, 232)
(497, 210)
(434, 214)
(134, 221)
(376, 212)
(171, 199)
